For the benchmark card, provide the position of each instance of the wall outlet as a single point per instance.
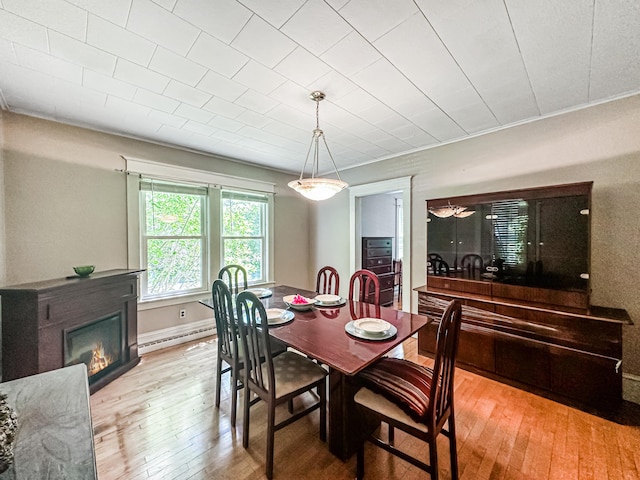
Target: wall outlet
(183, 313)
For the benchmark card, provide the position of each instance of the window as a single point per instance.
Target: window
(174, 245)
(244, 232)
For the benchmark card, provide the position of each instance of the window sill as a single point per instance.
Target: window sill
(168, 302)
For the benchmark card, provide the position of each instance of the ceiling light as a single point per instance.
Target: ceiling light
(317, 188)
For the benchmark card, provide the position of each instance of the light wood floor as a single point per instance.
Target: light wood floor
(158, 421)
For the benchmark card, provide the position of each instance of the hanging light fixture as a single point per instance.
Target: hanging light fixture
(317, 188)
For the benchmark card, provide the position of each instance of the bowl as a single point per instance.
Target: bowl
(299, 305)
(84, 270)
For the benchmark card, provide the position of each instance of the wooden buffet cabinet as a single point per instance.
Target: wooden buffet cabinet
(524, 325)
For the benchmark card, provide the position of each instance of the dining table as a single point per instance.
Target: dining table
(326, 334)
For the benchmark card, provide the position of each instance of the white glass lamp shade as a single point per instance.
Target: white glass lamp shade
(317, 188)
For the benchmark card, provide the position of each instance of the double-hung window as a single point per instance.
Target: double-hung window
(174, 238)
(244, 232)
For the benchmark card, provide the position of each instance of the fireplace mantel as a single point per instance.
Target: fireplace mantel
(35, 317)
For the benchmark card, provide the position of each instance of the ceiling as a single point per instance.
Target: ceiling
(233, 78)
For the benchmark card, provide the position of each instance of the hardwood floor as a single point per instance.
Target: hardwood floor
(158, 421)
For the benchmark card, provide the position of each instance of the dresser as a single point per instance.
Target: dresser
(377, 256)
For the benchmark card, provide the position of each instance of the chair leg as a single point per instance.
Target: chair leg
(234, 395)
(218, 379)
(433, 458)
(453, 452)
(392, 435)
(360, 461)
(290, 405)
(271, 419)
(245, 421)
(323, 410)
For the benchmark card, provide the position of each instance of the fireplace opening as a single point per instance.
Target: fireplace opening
(99, 345)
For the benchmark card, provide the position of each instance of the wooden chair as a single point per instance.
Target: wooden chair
(278, 379)
(437, 267)
(364, 286)
(235, 276)
(230, 348)
(328, 281)
(413, 398)
(472, 262)
(397, 277)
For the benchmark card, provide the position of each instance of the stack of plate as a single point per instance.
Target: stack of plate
(277, 316)
(329, 300)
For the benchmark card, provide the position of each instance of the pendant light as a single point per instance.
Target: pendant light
(317, 188)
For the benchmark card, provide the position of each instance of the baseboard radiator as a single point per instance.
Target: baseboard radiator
(168, 337)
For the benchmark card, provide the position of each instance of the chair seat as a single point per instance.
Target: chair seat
(378, 403)
(294, 372)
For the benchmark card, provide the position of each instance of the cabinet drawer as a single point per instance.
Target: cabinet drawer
(386, 281)
(380, 270)
(378, 261)
(377, 242)
(377, 252)
(386, 297)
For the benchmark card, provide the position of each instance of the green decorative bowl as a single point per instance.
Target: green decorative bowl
(84, 270)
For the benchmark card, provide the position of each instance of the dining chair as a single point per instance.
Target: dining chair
(472, 262)
(437, 266)
(278, 379)
(364, 286)
(328, 281)
(235, 277)
(230, 348)
(397, 277)
(412, 398)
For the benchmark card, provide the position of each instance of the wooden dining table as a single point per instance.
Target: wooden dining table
(320, 333)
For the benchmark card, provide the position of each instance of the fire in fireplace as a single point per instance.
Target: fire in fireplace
(99, 345)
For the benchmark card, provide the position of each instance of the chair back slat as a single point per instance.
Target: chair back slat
(364, 286)
(328, 281)
(254, 332)
(235, 276)
(226, 327)
(441, 397)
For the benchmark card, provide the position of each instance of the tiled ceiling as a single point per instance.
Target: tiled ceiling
(232, 77)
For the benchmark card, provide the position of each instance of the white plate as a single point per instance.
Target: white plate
(351, 330)
(372, 326)
(260, 292)
(278, 316)
(288, 299)
(328, 299)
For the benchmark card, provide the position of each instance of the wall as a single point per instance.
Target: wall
(65, 204)
(378, 216)
(599, 144)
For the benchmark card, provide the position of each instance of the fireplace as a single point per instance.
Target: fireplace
(57, 323)
(99, 345)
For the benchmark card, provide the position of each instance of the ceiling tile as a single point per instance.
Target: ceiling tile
(197, 127)
(256, 101)
(80, 53)
(276, 13)
(126, 109)
(167, 119)
(555, 41)
(166, 4)
(48, 64)
(374, 18)
(108, 84)
(221, 86)
(158, 25)
(616, 39)
(193, 113)
(222, 107)
(120, 42)
(224, 123)
(168, 63)
(115, 11)
(262, 42)
(351, 54)
(55, 14)
(23, 31)
(186, 94)
(316, 27)
(155, 101)
(222, 19)
(254, 119)
(216, 55)
(302, 67)
(140, 76)
(259, 77)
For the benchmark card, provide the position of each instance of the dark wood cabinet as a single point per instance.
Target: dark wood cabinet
(37, 318)
(377, 256)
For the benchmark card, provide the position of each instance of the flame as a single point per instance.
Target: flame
(99, 360)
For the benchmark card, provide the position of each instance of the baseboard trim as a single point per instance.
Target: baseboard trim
(631, 387)
(168, 337)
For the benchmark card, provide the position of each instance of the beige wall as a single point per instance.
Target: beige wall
(65, 204)
(599, 144)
